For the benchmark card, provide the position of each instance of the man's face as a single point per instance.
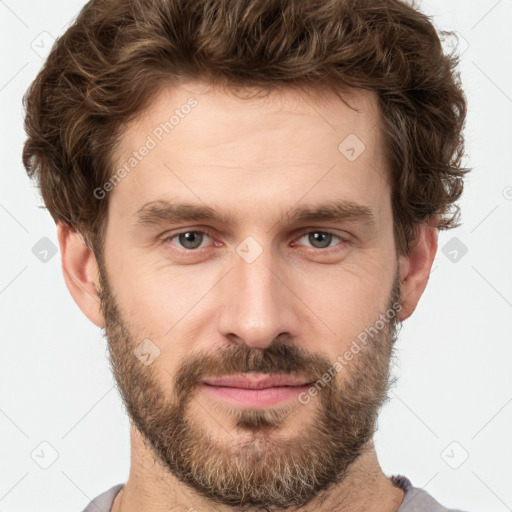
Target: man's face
(262, 292)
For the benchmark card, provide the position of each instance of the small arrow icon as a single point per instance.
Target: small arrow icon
(249, 249)
(42, 43)
(44, 455)
(455, 249)
(44, 250)
(454, 455)
(146, 352)
(351, 147)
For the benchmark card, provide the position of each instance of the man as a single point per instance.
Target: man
(247, 196)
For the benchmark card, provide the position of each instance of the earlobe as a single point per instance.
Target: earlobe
(415, 268)
(80, 271)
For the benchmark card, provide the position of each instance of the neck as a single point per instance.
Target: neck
(151, 487)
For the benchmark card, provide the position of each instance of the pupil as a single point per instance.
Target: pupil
(326, 238)
(187, 240)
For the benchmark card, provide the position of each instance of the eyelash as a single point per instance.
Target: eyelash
(193, 252)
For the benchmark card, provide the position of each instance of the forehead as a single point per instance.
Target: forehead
(212, 146)
(305, 110)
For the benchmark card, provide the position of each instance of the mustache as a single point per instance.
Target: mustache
(277, 358)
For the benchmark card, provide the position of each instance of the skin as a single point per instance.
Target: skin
(254, 159)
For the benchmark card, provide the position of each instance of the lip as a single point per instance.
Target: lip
(256, 381)
(255, 390)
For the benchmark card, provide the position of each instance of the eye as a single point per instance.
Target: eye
(189, 240)
(321, 239)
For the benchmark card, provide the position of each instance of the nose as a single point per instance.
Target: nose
(257, 304)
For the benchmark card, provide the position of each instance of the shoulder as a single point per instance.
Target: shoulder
(417, 500)
(104, 501)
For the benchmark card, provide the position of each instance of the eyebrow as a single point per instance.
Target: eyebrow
(163, 211)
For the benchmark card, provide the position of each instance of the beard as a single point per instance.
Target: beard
(257, 468)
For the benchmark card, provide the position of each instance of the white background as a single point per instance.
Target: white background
(455, 352)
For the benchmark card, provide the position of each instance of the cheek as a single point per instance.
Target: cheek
(162, 301)
(347, 300)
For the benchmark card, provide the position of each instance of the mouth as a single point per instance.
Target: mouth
(255, 390)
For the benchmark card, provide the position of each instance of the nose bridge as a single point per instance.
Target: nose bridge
(256, 305)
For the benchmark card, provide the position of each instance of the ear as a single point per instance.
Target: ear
(80, 272)
(415, 268)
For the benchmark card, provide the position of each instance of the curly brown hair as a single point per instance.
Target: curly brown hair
(118, 54)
